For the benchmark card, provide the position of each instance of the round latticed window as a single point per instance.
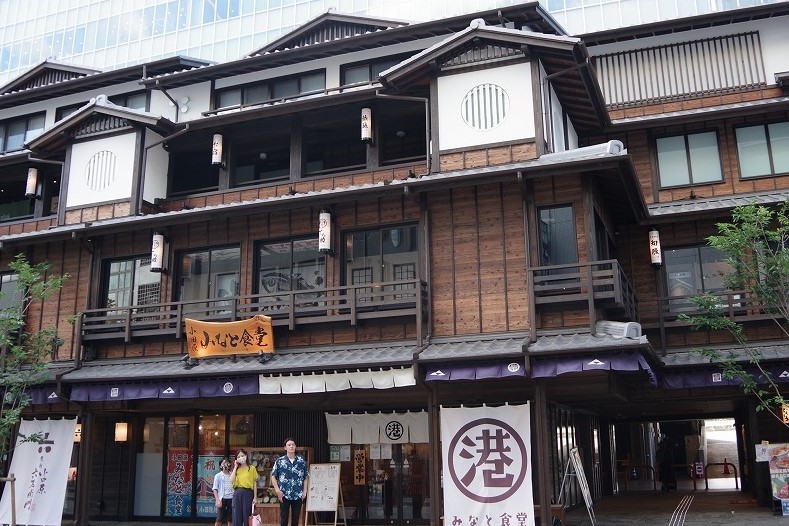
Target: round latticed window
(100, 170)
(485, 106)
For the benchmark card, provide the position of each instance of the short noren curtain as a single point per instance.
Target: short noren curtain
(689, 159)
(763, 149)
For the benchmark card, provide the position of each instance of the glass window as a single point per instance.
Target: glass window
(694, 270)
(130, 282)
(558, 244)
(356, 74)
(285, 88)
(11, 293)
(256, 94)
(689, 159)
(229, 98)
(148, 479)
(291, 265)
(763, 149)
(381, 255)
(313, 82)
(209, 274)
(15, 132)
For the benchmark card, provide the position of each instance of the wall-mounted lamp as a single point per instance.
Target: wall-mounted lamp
(216, 149)
(158, 252)
(655, 252)
(324, 232)
(78, 434)
(121, 431)
(31, 187)
(367, 125)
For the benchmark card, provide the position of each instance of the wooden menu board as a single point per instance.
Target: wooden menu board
(325, 492)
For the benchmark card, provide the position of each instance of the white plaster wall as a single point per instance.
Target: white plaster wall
(557, 122)
(50, 106)
(772, 33)
(199, 100)
(572, 136)
(155, 172)
(515, 79)
(79, 192)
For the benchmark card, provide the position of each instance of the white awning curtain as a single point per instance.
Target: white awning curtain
(325, 382)
(377, 428)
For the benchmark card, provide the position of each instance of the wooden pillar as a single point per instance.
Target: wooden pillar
(541, 454)
(434, 430)
(82, 497)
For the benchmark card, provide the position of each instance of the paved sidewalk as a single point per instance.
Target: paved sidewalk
(700, 508)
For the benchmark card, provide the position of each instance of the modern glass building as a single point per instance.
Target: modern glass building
(106, 34)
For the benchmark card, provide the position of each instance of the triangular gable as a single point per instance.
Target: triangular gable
(479, 43)
(326, 28)
(98, 116)
(44, 74)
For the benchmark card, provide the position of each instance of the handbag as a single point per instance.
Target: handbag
(254, 520)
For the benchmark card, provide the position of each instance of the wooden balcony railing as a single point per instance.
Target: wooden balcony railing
(735, 305)
(598, 284)
(408, 298)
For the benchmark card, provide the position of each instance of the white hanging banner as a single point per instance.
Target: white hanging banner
(487, 465)
(41, 471)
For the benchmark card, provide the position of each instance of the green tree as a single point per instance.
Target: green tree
(23, 355)
(756, 245)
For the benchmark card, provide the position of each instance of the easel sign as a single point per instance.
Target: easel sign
(575, 468)
(325, 493)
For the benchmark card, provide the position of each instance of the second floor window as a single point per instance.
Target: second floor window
(10, 293)
(381, 255)
(689, 159)
(290, 265)
(695, 270)
(130, 283)
(558, 245)
(14, 133)
(763, 149)
(209, 274)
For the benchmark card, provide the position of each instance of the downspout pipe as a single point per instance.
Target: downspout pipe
(144, 162)
(426, 101)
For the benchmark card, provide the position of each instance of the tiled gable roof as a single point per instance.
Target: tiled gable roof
(44, 74)
(326, 28)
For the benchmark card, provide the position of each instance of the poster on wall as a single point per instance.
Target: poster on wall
(179, 482)
(207, 467)
(486, 465)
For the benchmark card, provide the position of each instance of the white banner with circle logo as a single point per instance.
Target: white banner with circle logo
(41, 462)
(487, 466)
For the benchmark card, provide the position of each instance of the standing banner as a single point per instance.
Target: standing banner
(486, 468)
(179, 482)
(41, 469)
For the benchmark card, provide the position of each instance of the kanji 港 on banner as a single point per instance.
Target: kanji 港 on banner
(486, 466)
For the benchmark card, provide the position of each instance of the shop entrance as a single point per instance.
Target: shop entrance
(686, 453)
(396, 484)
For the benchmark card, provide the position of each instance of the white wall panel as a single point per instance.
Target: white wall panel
(101, 170)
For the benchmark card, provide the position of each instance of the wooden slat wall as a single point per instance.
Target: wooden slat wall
(478, 260)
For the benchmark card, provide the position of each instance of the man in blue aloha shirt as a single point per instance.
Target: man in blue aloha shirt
(290, 480)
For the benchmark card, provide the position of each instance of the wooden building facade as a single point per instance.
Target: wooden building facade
(489, 184)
